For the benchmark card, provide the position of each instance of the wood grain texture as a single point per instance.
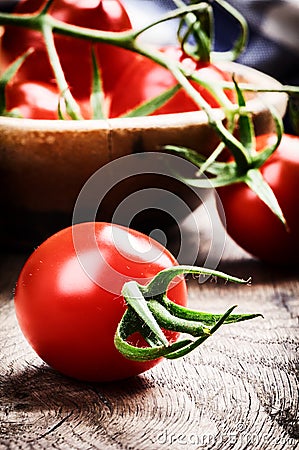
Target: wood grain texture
(237, 391)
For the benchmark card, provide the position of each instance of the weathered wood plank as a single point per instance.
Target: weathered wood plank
(239, 390)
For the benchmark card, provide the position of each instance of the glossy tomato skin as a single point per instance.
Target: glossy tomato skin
(251, 224)
(74, 54)
(145, 79)
(68, 297)
(33, 100)
(38, 100)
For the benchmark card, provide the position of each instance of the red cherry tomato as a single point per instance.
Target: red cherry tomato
(38, 100)
(75, 54)
(250, 222)
(145, 79)
(68, 297)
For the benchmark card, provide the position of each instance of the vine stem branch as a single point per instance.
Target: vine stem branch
(71, 105)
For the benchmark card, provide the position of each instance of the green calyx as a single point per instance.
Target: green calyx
(246, 163)
(150, 312)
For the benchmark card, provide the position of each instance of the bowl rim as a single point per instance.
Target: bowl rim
(256, 105)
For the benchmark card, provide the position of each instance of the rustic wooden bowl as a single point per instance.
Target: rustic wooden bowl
(44, 163)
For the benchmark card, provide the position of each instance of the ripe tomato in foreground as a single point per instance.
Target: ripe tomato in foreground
(68, 297)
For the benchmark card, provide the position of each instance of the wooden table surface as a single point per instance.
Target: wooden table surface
(239, 390)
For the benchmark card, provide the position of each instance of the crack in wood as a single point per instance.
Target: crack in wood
(52, 429)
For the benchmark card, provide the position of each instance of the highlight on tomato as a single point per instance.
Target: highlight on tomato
(39, 100)
(101, 302)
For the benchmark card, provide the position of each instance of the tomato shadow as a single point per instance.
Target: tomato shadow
(40, 388)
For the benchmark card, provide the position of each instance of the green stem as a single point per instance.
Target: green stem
(261, 157)
(72, 108)
(247, 87)
(215, 88)
(200, 28)
(97, 95)
(181, 11)
(46, 8)
(242, 40)
(235, 146)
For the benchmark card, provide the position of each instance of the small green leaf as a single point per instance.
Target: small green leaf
(216, 182)
(236, 147)
(193, 345)
(8, 75)
(254, 179)
(225, 173)
(97, 95)
(159, 284)
(59, 109)
(155, 103)
(13, 113)
(187, 153)
(198, 160)
(206, 318)
(171, 322)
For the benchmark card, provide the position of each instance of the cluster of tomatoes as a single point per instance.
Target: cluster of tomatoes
(33, 92)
